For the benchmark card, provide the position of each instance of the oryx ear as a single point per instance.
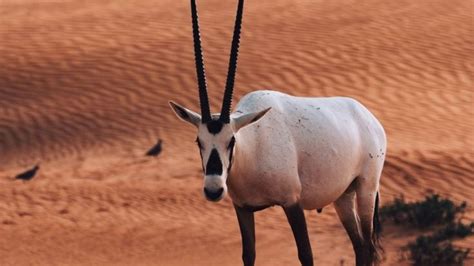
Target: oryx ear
(185, 114)
(247, 119)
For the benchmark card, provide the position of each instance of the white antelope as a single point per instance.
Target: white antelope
(299, 153)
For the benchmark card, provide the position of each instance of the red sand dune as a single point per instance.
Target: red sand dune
(84, 87)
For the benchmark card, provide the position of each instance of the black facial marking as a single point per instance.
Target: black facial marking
(230, 147)
(198, 141)
(202, 162)
(214, 164)
(231, 144)
(200, 152)
(214, 126)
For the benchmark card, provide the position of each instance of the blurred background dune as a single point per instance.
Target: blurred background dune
(84, 90)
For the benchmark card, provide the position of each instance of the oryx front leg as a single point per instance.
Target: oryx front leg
(247, 231)
(297, 222)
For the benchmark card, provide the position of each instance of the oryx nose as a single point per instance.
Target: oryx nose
(213, 194)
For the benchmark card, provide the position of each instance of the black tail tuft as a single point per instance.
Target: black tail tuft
(377, 230)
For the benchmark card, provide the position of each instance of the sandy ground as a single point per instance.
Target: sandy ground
(84, 87)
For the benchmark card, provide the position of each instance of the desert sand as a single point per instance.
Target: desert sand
(84, 90)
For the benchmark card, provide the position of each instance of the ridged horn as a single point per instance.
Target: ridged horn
(200, 71)
(234, 52)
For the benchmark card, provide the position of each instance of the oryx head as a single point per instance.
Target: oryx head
(215, 137)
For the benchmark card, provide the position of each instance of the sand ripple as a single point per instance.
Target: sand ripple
(84, 89)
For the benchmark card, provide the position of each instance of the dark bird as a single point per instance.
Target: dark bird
(29, 174)
(155, 150)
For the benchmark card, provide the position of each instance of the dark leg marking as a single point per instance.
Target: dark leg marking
(247, 231)
(214, 164)
(295, 216)
(376, 231)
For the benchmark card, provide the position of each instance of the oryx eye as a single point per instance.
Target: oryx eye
(199, 143)
(231, 143)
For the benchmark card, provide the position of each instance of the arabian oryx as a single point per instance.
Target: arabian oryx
(299, 153)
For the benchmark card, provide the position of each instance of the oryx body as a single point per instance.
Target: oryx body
(304, 150)
(296, 152)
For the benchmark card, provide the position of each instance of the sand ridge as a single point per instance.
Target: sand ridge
(84, 87)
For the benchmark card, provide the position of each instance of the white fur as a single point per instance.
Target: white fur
(305, 150)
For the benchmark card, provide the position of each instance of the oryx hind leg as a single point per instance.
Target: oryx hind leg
(367, 210)
(346, 210)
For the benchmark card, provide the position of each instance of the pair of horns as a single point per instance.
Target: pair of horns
(201, 74)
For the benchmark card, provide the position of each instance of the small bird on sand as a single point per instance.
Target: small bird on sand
(155, 150)
(29, 174)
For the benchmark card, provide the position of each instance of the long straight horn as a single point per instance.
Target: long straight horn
(201, 74)
(234, 52)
